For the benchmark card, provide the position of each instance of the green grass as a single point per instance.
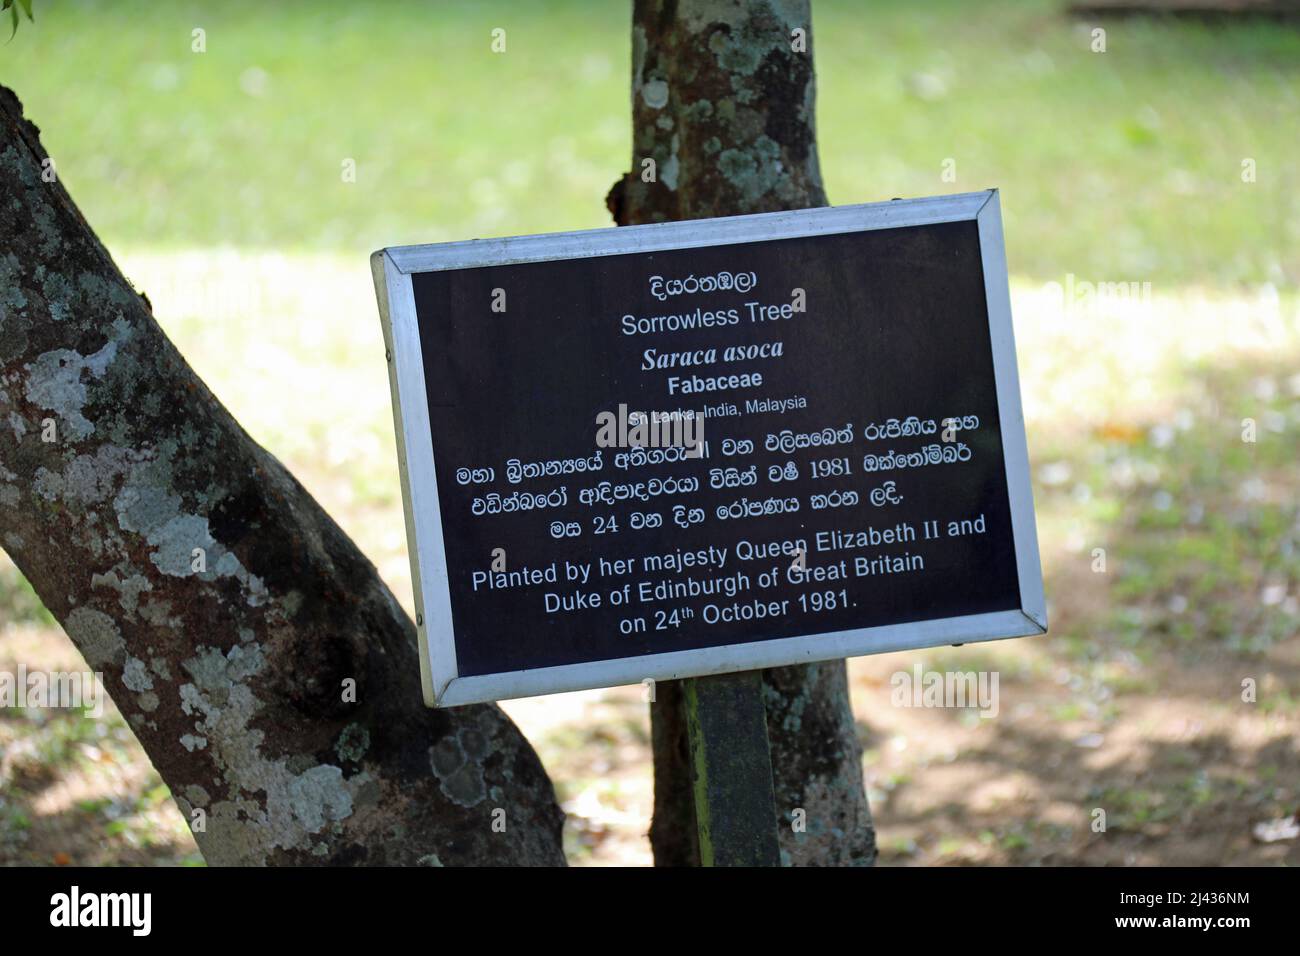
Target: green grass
(18, 600)
(1117, 166)
(1201, 549)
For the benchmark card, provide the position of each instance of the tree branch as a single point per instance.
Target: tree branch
(231, 661)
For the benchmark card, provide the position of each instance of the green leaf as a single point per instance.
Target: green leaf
(14, 6)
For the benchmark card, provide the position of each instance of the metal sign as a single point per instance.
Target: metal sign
(672, 450)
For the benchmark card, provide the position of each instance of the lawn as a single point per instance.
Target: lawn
(217, 181)
(1124, 165)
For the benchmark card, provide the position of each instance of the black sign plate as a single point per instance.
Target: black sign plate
(711, 446)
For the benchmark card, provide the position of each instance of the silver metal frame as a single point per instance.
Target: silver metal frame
(392, 270)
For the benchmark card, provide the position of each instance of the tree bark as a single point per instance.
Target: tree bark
(232, 662)
(722, 102)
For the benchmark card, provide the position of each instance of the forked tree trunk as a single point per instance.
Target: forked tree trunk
(229, 614)
(722, 102)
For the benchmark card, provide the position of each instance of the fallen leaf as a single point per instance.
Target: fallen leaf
(1283, 828)
(1119, 431)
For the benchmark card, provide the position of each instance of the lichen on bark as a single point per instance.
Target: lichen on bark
(722, 102)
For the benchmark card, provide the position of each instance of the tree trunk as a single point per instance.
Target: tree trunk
(270, 675)
(722, 102)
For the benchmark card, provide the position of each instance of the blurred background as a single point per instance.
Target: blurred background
(1153, 234)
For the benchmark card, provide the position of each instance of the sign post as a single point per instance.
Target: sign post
(695, 450)
(735, 810)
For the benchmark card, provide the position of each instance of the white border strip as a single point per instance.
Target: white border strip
(419, 478)
(618, 240)
(1015, 448)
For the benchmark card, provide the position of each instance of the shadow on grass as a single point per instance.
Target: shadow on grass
(1165, 694)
